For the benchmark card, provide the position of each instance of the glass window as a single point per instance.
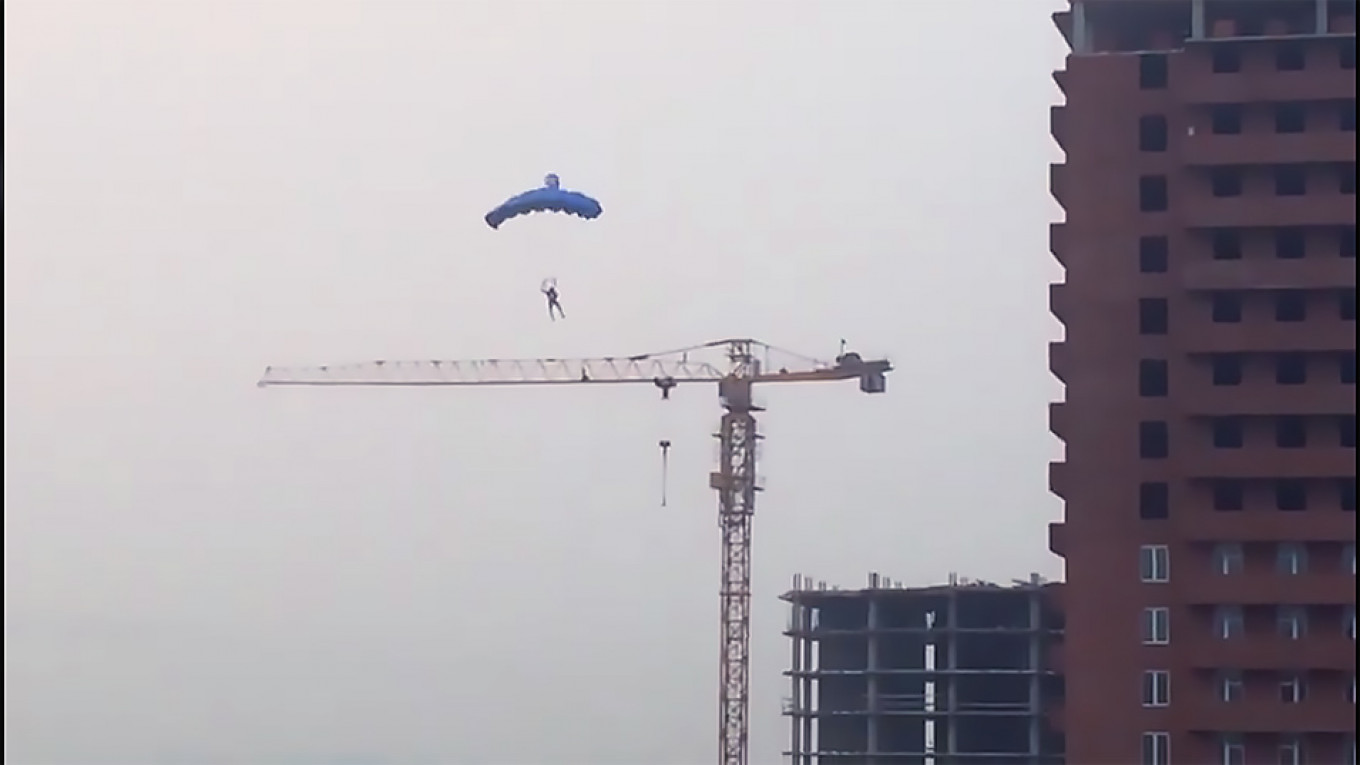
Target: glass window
(1156, 688)
(1156, 625)
(1154, 563)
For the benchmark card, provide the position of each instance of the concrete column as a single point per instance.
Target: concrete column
(1081, 28)
(1320, 24)
(809, 695)
(871, 745)
(796, 626)
(1197, 19)
(1036, 633)
(951, 665)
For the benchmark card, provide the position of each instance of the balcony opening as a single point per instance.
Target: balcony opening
(1291, 495)
(1229, 496)
(1227, 432)
(1345, 425)
(1226, 307)
(1291, 117)
(1154, 254)
(1291, 622)
(1154, 501)
(1291, 306)
(1229, 622)
(1292, 691)
(1154, 316)
(1153, 378)
(1229, 559)
(1152, 133)
(1227, 244)
(1153, 195)
(1290, 57)
(1291, 559)
(1346, 307)
(1290, 243)
(1346, 367)
(1225, 119)
(1346, 490)
(1227, 59)
(1153, 71)
(1291, 181)
(1348, 116)
(1154, 440)
(1346, 242)
(1225, 182)
(1291, 369)
(1291, 432)
(1226, 369)
(1346, 183)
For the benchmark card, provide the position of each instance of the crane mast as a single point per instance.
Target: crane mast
(747, 363)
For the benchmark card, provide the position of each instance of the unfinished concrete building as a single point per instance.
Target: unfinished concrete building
(957, 674)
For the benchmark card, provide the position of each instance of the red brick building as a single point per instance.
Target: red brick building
(1209, 364)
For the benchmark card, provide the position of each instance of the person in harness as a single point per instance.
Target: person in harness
(549, 290)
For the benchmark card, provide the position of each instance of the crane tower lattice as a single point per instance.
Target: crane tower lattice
(735, 366)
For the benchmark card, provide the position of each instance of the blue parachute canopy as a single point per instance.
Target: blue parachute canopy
(549, 197)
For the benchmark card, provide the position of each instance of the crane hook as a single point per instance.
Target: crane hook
(665, 460)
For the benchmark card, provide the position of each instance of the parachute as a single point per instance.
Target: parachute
(550, 197)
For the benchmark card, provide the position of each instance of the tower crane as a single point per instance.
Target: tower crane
(735, 366)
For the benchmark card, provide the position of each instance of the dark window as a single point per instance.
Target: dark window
(1291, 305)
(1226, 119)
(1291, 181)
(1347, 301)
(1228, 495)
(1227, 243)
(1290, 243)
(1227, 307)
(1289, 57)
(1346, 366)
(1227, 432)
(1347, 57)
(1291, 369)
(1346, 488)
(1153, 378)
(1345, 424)
(1153, 71)
(1291, 495)
(1153, 316)
(1152, 193)
(1291, 432)
(1347, 180)
(1227, 60)
(1154, 440)
(1225, 182)
(1227, 369)
(1154, 501)
(1152, 133)
(1291, 117)
(1154, 254)
(1346, 242)
(1347, 121)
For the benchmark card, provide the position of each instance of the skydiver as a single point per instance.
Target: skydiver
(549, 290)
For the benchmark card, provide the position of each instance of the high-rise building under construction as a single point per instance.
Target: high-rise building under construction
(1209, 364)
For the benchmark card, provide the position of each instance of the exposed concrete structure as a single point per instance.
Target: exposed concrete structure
(957, 674)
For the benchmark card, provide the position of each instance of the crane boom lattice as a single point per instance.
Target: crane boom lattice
(736, 366)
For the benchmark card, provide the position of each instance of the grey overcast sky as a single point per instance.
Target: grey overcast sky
(200, 571)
